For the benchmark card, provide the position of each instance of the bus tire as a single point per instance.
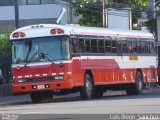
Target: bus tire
(40, 97)
(137, 88)
(86, 91)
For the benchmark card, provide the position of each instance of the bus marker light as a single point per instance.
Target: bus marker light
(69, 75)
(22, 34)
(53, 31)
(56, 31)
(60, 31)
(18, 68)
(16, 35)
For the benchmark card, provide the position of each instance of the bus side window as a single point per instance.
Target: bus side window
(134, 47)
(114, 43)
(75, 44)
(82, 45)
(94, 45)
(88, 46)
(101, 45)
(147, 47)
(108, 46)
(129, 46)
(119, 48)
(143, 47)
(124, 46)
(139, 50)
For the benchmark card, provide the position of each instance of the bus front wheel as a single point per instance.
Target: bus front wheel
(86, 91)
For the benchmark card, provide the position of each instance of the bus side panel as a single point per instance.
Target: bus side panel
(103, 70)
(77, 73)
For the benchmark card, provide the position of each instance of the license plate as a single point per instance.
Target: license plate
(40, 87)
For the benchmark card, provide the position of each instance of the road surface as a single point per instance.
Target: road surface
(147, 103)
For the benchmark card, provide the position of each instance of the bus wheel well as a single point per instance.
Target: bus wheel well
(90, 73)
(139, 70)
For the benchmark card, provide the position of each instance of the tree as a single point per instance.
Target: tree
(5, 41)
(157, 3)
(91, 10)
(136, 3)
(5, 57)
(152, 25)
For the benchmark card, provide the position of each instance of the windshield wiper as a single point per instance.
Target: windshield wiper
(40, 57)
(43, 55)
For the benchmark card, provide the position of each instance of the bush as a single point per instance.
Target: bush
(5, 57)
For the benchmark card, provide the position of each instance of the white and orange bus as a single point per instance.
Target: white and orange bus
(50, 59)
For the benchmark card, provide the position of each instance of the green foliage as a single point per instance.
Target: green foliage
(152, 25)
(136, 3)
(5, 41)
(157, 3)
(91, 10)
(91, 13)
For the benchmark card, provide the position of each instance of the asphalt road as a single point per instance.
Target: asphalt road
(112, 103)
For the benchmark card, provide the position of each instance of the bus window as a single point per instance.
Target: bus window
(101, 46)
(134, 46)
(82, 45)
(139, 47)
(143, 47)
(147, 47)
(75, 44)
(108, 46)
(129, 46)
(119, 48)
(94, 45)
(124, 46)
(88, 46)
(114, 43)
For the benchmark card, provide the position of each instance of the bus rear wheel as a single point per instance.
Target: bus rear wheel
(137, 88)
(39, 97)
(86, 91)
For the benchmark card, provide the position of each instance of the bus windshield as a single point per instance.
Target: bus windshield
(40, 49)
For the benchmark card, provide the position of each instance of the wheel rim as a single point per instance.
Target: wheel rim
(88, 85)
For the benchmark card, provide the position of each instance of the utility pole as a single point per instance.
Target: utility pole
(16, 14)
(104, 13)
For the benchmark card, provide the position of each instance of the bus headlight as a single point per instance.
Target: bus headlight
(59, 77)
(22, 80)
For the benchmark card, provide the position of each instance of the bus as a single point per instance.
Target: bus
(51, 59)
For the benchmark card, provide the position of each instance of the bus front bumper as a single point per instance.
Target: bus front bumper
(25, 88)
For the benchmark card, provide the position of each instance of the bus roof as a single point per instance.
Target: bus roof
(42, 30)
